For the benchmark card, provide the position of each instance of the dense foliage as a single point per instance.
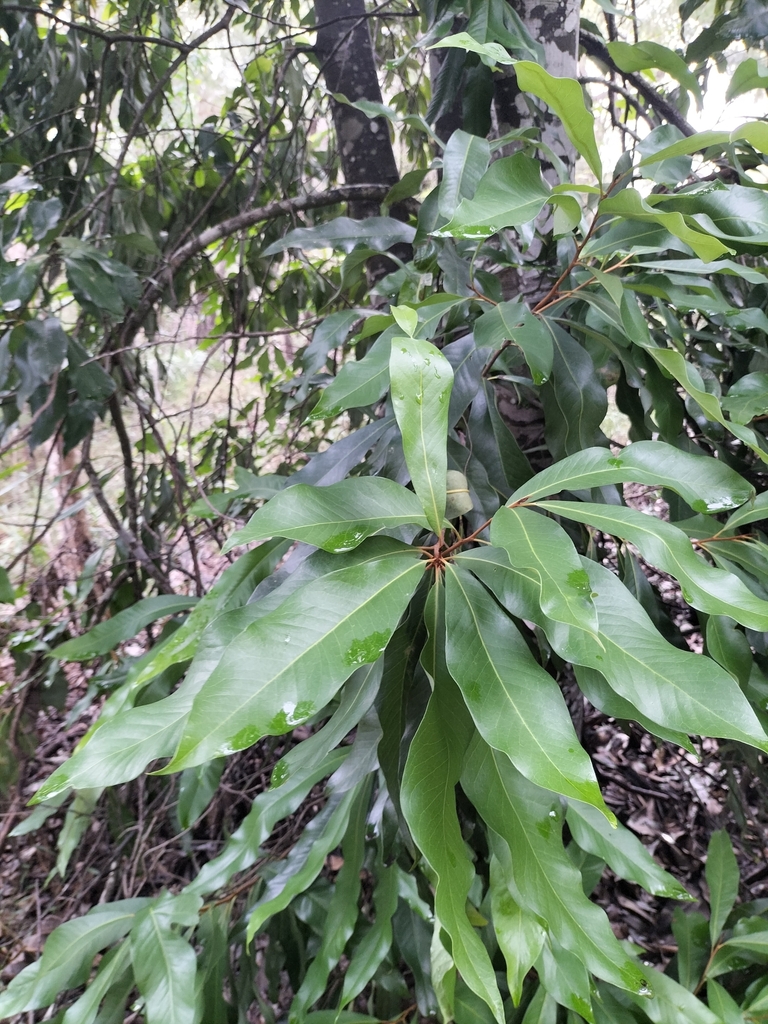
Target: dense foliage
(448, 540)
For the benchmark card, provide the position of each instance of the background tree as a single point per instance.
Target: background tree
(390, 239)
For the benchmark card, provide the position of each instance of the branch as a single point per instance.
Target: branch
(595, 47)
(247, 219)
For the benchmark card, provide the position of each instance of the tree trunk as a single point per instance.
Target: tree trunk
(344, 48)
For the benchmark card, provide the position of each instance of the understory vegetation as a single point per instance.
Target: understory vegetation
(384, 391)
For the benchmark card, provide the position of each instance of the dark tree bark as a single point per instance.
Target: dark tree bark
(346, 54)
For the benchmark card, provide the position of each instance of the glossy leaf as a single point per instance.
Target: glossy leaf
(164, 963)
(747, 397)
(490, 53)
(341, 912)
(622, 852)
(377, 942)
(359, 382)
(107, 635)
(336, 518)
(429, 803)
(537, 543)
(722, 873)
(510, 193)
(343, 233)
(565, 97)
(566, 979)
(630, 204)
(68, 955)
(519, 933)
(302, 652)
(526, 837)
(679, 690)
(510, 321)
(114, 970)
(704, 586)
(465, 161)
(509, 694)
(707, 485)
(422, 379)
(646, 54)
(756, 510)
(306, 859)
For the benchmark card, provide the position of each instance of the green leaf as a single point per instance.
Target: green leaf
(691, 144)
(359, 382)
(376, 942)
(566, 98)
(622, 852)
(526, 837)
(707, 485)
(756, 510)
(509, 694)
(104, 637)
(666, 172)
(677, 689)
(429, 803)
(335, 518)
(537, 543)
(330, 334)
(519, 933)
(243, 847)
(114, 970)
(565, 977)
(286, 666)
(630, 204)
(379, 233)
(722, 873)
(729, 647)
(512, 192)
(510, 321)
(196, 789)
(39, 348)
(704, 586)
(306, 859)
(747, 397)
(465, 161)
(7, 590)
(68, 955)
(490, 54)
(746, 77)
(422, 379)
(341, 912)
(574, 399)
(723, 1004)
(164, 963)
(756, 942)
(645, 54)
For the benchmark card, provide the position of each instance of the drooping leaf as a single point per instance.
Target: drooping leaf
(518, 931)
(747, 397)
(622, 851)
(341, 913)
(566, 98)
(358, 383)
(164, 963)
(510, 193)
(722, 873)
(306, 859)
(566, 979)
(647, 54)
(511, 321)
(526, 826)
(335, 518)
(422, 379)
(287, 665)
(509, 695)
(429, 804)
(574, 399)
(704, 586)
(707, 485)
(379, 233)
(114, 971)
(330, 334)
(539, 544)
(729, 647)
(465, 161)
(679, 690)
(377, 942)
(630, 204)
(105, 636)
(68, 955)
(490, 53)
